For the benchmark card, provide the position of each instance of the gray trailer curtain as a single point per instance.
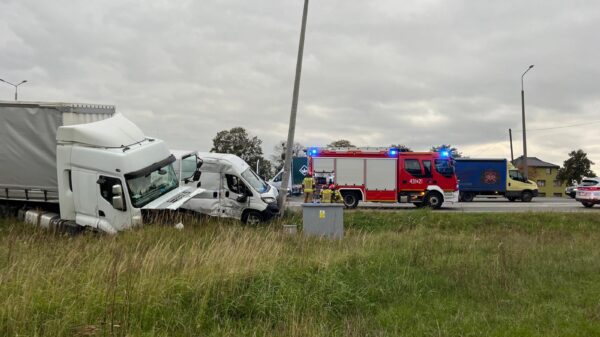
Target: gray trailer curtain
(28, 147)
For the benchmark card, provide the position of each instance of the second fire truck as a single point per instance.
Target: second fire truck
(386, 175)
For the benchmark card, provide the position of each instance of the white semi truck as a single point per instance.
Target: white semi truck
(90, 164)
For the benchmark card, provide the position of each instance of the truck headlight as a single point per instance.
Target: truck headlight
(268, 200)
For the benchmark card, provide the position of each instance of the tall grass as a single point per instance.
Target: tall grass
(395, 273)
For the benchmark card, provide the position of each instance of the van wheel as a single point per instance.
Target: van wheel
(587, 204)
(434, 200)
(350, 200)
(253, 218)
(526, 196)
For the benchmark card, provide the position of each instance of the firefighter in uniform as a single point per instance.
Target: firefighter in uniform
(308, 185)
(336, 196)
(326, 195)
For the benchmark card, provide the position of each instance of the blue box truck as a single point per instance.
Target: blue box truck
(492, 177)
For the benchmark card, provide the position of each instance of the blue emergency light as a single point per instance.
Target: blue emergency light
(445, 153)
(312, 152)
(393, 152)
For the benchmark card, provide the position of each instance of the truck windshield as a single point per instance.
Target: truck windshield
(444, 167)
(255, 181)
(145, 188)
(516, 175)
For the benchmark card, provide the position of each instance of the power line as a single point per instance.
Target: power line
(563, 127)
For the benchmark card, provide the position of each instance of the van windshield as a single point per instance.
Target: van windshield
(255, 181)
(150, 186)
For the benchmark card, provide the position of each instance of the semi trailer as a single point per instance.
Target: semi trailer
(83, 166)
(492, 177)
(386, 175)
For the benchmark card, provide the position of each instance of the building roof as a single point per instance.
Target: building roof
(534, 162)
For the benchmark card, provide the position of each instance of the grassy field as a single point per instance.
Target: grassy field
(417, 273)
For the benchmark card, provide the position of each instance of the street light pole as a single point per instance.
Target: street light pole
(525, 167)
(292, 128)
(14, 85)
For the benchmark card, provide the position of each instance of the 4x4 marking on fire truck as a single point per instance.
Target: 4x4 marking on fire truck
(416, 181)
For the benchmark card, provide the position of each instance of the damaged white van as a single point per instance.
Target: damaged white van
(231, 188)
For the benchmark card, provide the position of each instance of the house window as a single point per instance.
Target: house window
(558, 195)
(548, 171)
(557, 183)
(541, 183)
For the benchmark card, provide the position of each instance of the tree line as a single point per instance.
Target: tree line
(237, 141)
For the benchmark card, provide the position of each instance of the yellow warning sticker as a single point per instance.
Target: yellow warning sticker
(321, 214)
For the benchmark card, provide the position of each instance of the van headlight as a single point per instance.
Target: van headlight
(269, 200)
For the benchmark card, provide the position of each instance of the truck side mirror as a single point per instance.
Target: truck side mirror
(117, 199)
(199, 163)
(117, 190)
(196, 176)
(117, 203)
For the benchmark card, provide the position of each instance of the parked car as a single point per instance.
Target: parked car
(571, 191)
(588, 192)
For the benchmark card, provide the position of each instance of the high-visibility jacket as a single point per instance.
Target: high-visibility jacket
(337, 196)
(326, 195)
(308, 184)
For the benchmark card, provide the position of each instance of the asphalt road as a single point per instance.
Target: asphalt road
(487, 205)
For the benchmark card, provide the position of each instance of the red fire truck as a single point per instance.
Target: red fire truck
(386, 175)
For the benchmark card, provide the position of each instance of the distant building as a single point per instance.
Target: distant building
(544, 174)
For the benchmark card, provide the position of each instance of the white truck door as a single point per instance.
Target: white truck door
(117, 218)
(84, 197)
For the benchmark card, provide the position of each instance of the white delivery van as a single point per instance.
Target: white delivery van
(230, 187)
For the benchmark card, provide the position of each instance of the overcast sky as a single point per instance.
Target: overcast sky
(418, 72)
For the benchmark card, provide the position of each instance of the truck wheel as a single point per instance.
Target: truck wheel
(434, 200)
(468, 197)
(350, 200)
(587, 204)
(526, 196)
(253, 218)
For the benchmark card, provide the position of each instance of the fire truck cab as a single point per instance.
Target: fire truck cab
(386, 175)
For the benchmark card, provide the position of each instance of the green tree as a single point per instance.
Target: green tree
(401, 147)
(576, 167)
(278, 156)
(237, 141)
(341, 143)
(453, 151)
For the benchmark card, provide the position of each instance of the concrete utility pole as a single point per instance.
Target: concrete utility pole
(14, 85)
(525, 167)
(512, 157)
(292, 129)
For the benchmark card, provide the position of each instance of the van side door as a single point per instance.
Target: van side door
(236, 196)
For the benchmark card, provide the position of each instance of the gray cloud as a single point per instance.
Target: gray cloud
(418, 72)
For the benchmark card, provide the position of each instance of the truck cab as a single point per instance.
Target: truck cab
(109, 172)
(517, 187)
(231, 189)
